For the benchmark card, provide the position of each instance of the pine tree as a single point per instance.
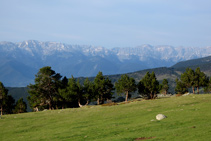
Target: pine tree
(45, 90)
(125, 85)
(88, 90)
(20, 106)
(149, 86)
(61, 102)
(70, 93)
(108, 94)
(102, 88)
(99, 87)
(201, 79)
(180, 87)
(76, 92)
(208, 86)
(188, 78)
(165, 86)
(79, 93)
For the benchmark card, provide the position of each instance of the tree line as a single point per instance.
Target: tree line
(52, 91)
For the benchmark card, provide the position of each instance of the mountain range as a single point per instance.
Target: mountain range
(19, 62)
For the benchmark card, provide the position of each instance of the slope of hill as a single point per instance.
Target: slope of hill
(203, 63)
(188, 118)
(193, 62)
(19, 62)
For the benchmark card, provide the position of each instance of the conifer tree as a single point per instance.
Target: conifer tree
(180, 87)
(20, 106)
(188, 78)
(103, 88)
(77, 93)
(201, 80)
(125, 85)
(208, 87)
(69, 94)
(88, 90)
(45, 90)
(149, 86)
(165, 86)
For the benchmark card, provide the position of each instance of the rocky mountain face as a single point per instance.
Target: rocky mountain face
(19, 62)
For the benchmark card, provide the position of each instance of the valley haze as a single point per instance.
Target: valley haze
(19, 62)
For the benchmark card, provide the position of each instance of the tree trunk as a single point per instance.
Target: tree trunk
(87, 102)
(165, 92)
(198, 90)
(151, 96)
(98, 100)
(79, 103)
(36, 109)
(193, 89)
(101, 100)
(50, 105)
(1, 110)
(126, 96)
(154, 96)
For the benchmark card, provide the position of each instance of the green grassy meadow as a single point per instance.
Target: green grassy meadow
(188, 118)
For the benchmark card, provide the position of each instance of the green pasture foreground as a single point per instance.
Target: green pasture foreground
(188, 118)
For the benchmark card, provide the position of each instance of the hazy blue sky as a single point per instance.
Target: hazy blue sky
(108, 23)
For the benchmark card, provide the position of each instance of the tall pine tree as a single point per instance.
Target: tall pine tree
(20, 106)
(45, 90)
(165, 86)
(180, 87)
(149, 86)
(188, 78)
(125, 85)
(88, 90)
(208, 86)
(103, 88)
(201, 80)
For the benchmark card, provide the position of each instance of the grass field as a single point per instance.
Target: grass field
(188, 118)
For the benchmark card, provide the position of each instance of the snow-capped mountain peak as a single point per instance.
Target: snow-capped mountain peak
(85, 60)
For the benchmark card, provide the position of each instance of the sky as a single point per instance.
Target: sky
(108, 23)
